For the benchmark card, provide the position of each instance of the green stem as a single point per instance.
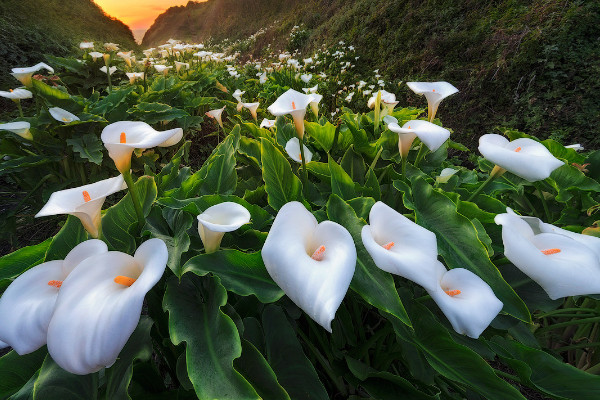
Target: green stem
(403, 163)
(134, 197)
(567, 310)
(95, 385)
(481, 187)
(372, 166)
(507, 376)
(423, 298)
(544, 203)
(568, 323)
(304, 173)
(530, 205)
(19, 107)
(335, 136)
(420, 154)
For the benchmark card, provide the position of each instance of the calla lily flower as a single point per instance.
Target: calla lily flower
(179, 65)
(523, 157)
(86, 45)
(111, 46)
(162, 68)
(62, 115)
(432, 135)
(445, 175)
(20, 128)
(311, 89)
(3, 345)
(562, 262)
(84, 202)
(112, 69)
(126, 56)
(465, 299)
(27, 305)
(314, 104)
(292, 147)
(313, 263)
(267, 123)
(238, 96)
(576, 147)
(16, 94)
(96, 55)
(24, 74)
(399, 246)
(99, 306)
(434, 92)
(218, 219)
(294, 103)
(121, 138)
(306, 77)
(252, 107)
(388, 101)
(133, 76)
(216, 114)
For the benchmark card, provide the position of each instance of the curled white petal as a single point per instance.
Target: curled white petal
(431, 134)
(16, 94)
(292, 147)
(20, 128)
(62, 115)
(434, 92)
(218, 219)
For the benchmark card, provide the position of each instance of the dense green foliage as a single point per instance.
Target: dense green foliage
(531, 65)
(30, 29)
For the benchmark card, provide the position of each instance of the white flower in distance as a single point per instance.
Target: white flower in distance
(294, 103)
(262, 78)
(432, 135)
(27, 304)
(179, 65)
(238, 96)
(133, 76)
(292, 147)
(121, 138)
(445, 175)
(267, 123)
(388, 101)
(112, 69)
(20, 128)
(217, 115)
(576, 147)
(218, 219)
(24, 74)
(399, 246)
(523, 157)
(434, 92)
(306, 77)
(16, 94)
(162, 69)
(313, 263)
(84, 202)
(96, 55)
(86, 45)
(562, 262)
(62, 115)
(99, 306)
(252, 107)
(111, 46)
(126, 56)
(311, 89)
(465, 299)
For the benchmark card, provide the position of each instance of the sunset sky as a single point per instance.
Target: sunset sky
(138, 14)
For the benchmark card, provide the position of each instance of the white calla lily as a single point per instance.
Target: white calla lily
(86, 45)
(563, 263)
(111, 70)
(306, 77)
(84, 202)
(445, 175)
(121, 138)
(399, 246)
(217, 114)
(434, 92)
(62, 115)
(218, 219)
(111, 46)
(133, 76)
(20, 128)
(99, 306)
(24, 74)
(313, 263)
(267, 123)
(465, 299)
(311, 89)
(126, 56)
(3, 345)
(238, 96)
(16, 94)
(252, 107)
(576, 147)
(27, 305)
(432, 135)
(292, 147)
(314, 103)
(388, 101)
(96, 55)
(293, 103)
(523, 157)
(179, 65)
(162, 69)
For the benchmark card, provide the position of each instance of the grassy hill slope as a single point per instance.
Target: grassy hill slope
(531, 65)
(31, 28)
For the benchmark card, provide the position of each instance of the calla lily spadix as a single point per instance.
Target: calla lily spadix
(62, 115)
(434, 92)
(267, 123)
(431, 134)
(252, 107)
(84, 202)
(99, 306)
(218, 219)
(294, 103)
(111, 70)
(27, 305)
(523, 157)
(292, 147)
(465, 299)
(563, 263)
(121, 138)
(16, 94)
(217, 115)
(24, 74)
(20, 128)
(96, 55)
(399, 246)
(313, 263)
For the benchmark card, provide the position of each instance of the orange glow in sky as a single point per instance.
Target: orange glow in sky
(137, 14)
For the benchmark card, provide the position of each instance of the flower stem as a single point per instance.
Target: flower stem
(544, 203)
(568, 323)
(372, 166)
(107, 63)
(377, 112)
(304, 173)
(134, 197)
(497, 171)
(420, 154)
(403, 163)
(20, 108)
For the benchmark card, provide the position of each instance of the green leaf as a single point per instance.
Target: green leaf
(341, 183)
(171, 227)
(221, 177)
(89, 147)
(323, 134)
(169, 176)
(320, 170)
(55, 383)
(69, 236)
(119, 218)
(152, 113)
(16, 370)
(567, 178)
(212, 340)
(251, 149)
(459, 244)
(112, 101)
(242, 273)
(550, 375)
(373, 284)
(15, 263)
(17, 164)
(281, 185)
(284, 352)
(49, 92)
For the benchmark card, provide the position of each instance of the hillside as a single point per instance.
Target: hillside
(531, 65)
(31, 28)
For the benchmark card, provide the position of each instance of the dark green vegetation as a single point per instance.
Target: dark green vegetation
(29, 29)
(531, 65)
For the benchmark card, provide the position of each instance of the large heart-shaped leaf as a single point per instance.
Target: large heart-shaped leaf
(281, 185)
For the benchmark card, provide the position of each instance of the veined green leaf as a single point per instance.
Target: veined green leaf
(281, 185)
